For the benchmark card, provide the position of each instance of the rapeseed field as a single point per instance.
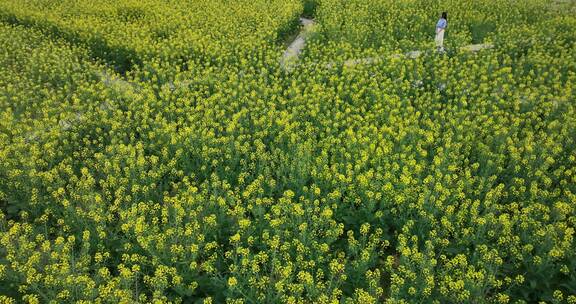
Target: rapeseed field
(157, 151)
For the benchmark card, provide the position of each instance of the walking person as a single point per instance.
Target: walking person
(440, 28)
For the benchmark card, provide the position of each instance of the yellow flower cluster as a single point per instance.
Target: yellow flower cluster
(208, 174)
(145, 32)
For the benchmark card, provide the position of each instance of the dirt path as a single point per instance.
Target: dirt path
(410, 55)
(290, 57)
(115, 82)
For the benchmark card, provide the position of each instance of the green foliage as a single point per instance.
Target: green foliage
(208, 174)
(310, 7)
(130, 33)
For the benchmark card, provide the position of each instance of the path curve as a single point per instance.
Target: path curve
(290, 55)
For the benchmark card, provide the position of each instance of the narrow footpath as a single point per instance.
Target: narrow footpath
(115, 82)
(290, 57)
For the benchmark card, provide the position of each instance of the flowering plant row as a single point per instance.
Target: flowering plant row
(128, 32)
(449, 178)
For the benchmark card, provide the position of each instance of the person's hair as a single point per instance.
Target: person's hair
(444, 15)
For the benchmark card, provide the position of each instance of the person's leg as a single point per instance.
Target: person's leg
(441, 40)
